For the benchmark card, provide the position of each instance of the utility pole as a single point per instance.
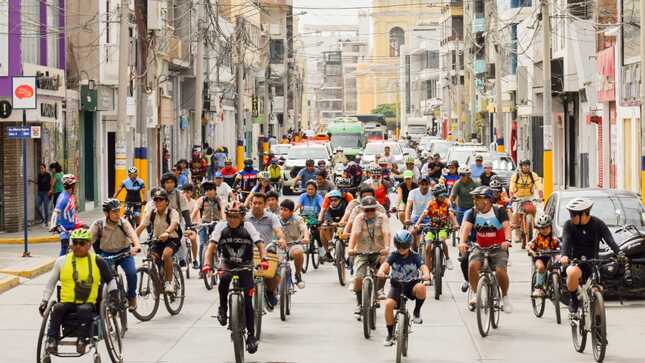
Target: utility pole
(642, 43)
(121, 158)
(499, 118)
(549, 127)
(239, 118)
(199, 79)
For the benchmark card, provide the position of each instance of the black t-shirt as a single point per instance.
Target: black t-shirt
(435, 169)
(584, 240)
(236, 244)
(338, 212)
(485, 180)
(44, 182)
(406, 191)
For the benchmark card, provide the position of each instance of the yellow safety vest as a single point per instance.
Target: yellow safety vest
(68, 285)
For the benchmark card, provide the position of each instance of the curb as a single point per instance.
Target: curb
(34, 240)
(30, 272)
(8, 282)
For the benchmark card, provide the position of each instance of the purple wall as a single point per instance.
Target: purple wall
(61, 42)
(43, 33)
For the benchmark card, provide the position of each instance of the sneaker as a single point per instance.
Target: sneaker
(195, 265)
(449, 264)
(81, 345)
(221, 317)
(52, 345)
(357, 312)
(299, 282)
(507, 306)
(329, 257)
(417, 319)
(132, 304)
(251, 344)
(537, 292)
(464, 286)
(472, 303)
(389, 341)
(169, 287)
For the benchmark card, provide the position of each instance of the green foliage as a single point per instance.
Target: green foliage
(387, 110)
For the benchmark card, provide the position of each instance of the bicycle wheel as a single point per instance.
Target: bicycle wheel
(258, 307)
(208, 278)
(189, 260)
(123, 306)
(400, 339)
(598, 327)
(578, 332)
(437, 270)
(406, 334)
(175, 300)
(554, 287)
(237, 326)
(284, 292)
(305, 266)
(527, 233)
(483, 306)
(538, 303)
(41, 354)
(147, 295)
(340, 262)
(495, 304)
(366, 309)
(315, 253)
(110, 331)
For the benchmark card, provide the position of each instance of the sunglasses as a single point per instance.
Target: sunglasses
(574, 214)
(369, 210)
(79, 243)
(159, 199)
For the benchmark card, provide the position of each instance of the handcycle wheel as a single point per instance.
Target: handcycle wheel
(578, 332)
(111, 333)
(598, 327)
(495, 305)
(437, 270)
(237, 326)
(555, 295)
(483, 306)
(258, 308)
(175, 301)
(147, 295)
(538, 303)
(366, 308)
(340, 262)
(284, 293)
(41, 354)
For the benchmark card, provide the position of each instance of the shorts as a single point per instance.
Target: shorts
(298, 247)
(587, 271)
(545, 259)
(361, 263)
(245, 278)
(395, 292)
(498, 257)
(158, 248)
(136, 208)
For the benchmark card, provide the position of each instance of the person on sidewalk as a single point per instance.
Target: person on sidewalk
(44, 183)
(56, 181)
(65, 213)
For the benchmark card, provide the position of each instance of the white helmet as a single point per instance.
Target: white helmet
(425, 154)
(132, 170)
(579, 204)
(69, 179)
(463, 170)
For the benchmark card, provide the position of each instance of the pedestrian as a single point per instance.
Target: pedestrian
(44, 189)
(56, 181)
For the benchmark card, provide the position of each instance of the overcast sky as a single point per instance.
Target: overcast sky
(333, 16)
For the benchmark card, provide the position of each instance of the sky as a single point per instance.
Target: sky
(332, 16)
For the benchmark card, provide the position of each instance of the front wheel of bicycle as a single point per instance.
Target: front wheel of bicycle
(175, 300)
(537, 302)
(237, 327)
(437, 270)
(340, 262)
(598, 327)
(578, 332)
(401, 331)
(284, 293)
(315, 253)
(147, 295)
(555, 295)
(366, 309)
(258, 308)
(483, 306)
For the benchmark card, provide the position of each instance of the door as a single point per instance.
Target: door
(111, 158)
(571, 141)
(627, 154)
(89, 156)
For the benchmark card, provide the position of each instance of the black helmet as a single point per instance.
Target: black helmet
(160, 194)
(111, 204)
(525, 162)
(248, 162)
(484, 191)
(403, 239)
(440, 190)
(208, 185)
(365, 189)
(168, 176)
(368, 203)
(454, 163)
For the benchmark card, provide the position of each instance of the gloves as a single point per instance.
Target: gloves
(206, 268)
(42, 307)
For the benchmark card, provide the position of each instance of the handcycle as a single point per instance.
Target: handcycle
(551, 287)
(150, 278)
(489, 294)
(104, 326)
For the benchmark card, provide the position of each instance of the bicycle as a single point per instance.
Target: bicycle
(312, 251)
(526, 209)
(433, 235)
(129, 214)
(209, 278)
(402, 320)
(187, 243)
(150, 281)
(489, 294)
(237, 320)
(369, 300)
(551, 286)
(338, 246)
(122, 305)
(286, 288)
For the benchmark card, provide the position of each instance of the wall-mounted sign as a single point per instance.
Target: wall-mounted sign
(49, 110)
(5, 109)
(24, 93)
(35, 132)
(48, 82)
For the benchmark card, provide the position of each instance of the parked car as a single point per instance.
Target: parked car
(296, 158)
(461, 152)
(503, 164)
(617, 209)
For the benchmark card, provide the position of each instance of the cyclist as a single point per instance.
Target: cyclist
(491, 229)
(165, 228)
(234, 241)
(333, 210)
(524, 184)
(410, 166)
(187, 192)
(488, 174)
(451, 176)
(223, 189)
(545, 240)
(370, 234)
(247, 178)
(403, 264)
(184, 176)
(500, 198)
(228, 172)
(310, 202)
(113, 235)
(198, 165)
(460, 195)
(268, 226)
(80, 273)
(272, 202)
(65, 213)
(134, 189)
(439, 215)
(263, 186)
(380, 186)
(433, 168)
(324, 184)
(355, 173)
(306, 174)
(275, 172)
(418, 200)
(477, 168)
(353, 209)
(208, 208)
(176, 200)
(403, 191)
(581, 236)
(339, 157)
(295, 230)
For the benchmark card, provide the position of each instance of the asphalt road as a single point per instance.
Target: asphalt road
(322, 328)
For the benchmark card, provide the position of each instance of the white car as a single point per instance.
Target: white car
(299, 154)
(378, 147)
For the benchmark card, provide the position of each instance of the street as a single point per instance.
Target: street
(322, 328)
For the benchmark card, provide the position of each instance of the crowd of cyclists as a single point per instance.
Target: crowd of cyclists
(231, 213)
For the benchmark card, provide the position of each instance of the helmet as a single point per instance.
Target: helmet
(81, 234)
(334, 194)
(248, 163)
(219, 175)
(69, 179)
(484, 191)
(343, 182)
(111, 204)
(368, 202)
(408, 174)
(132, 170)
(579, 204)
(410, 160)
(168, 176)
(496, 185)
(402, 239)
(525, 162)
(339, 149)
(228, 161)
(463, 170)
(454, 163)
(235, 207)
(543, 221)
(160, 194)
(425, 154)
(263, 175)
(479, 158)
(208, 185)
(365, 189)
(274, 161)
(440, 190)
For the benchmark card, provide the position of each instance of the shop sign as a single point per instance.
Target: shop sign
(24, 93)
(48, 82)
(49, 110)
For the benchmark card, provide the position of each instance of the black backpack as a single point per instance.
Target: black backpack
(154, 215)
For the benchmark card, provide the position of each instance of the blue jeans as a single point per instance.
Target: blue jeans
(130, 269)
(460, 214)
(203, 242)
(64, 246)
(42, 205)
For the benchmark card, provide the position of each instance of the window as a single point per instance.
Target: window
(397, 39)
(580, 8)
(631, 30)
(277, 51)
(432, 59)
(431, 89)
(30, 21)
(53, 33)
(520, 3)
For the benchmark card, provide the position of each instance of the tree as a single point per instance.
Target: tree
(386, 109)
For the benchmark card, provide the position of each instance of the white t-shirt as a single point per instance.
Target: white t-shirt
(419, 201)
(223, 192)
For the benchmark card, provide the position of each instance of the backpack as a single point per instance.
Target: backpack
(154, 215)
(97, 243)
(519, 174)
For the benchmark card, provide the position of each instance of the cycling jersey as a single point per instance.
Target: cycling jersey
(346, 196)
(275, 172)
(541, 242)
(235, 245)
(450, 180)
(335, 214)
(489, 226)
(67, 213)
(438, 213)
(524, 185)
(248, 178)
(133, 189)
(584, 240)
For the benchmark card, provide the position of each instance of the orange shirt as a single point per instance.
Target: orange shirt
(438, 212)
(545, 243)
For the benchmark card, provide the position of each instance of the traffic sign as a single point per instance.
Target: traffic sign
(5, 109)
(35, 132)
(24, 93)
(23, 132)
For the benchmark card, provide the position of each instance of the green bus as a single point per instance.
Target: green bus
(348, 135)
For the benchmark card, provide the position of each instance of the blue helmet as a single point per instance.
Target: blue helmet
(219, 175)
(334, 194)
(403, 239)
